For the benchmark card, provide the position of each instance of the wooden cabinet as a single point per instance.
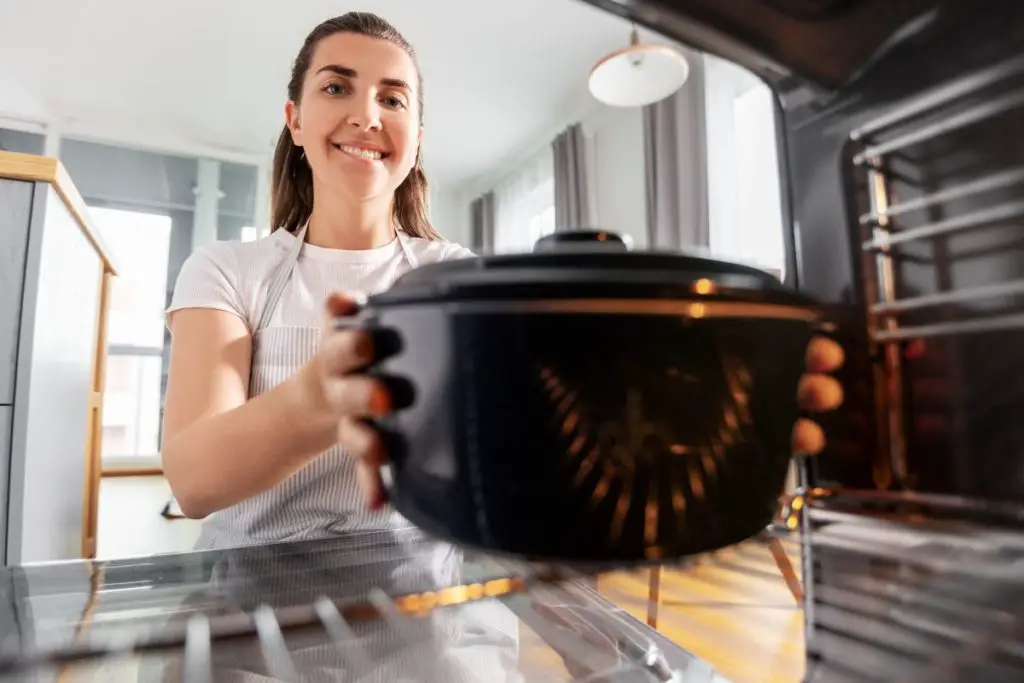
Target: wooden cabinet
(55, 277)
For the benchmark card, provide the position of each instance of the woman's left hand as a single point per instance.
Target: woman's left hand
(817, 392)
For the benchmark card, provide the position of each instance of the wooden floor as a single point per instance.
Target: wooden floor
(732, 609)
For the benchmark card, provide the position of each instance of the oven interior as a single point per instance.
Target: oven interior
(904, 185)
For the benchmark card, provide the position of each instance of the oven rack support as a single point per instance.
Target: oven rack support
(926, 118)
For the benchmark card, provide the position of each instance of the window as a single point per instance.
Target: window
(744, 191)
(525, 204)
(140, 245)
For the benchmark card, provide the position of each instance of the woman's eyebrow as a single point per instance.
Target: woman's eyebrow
(349, 72)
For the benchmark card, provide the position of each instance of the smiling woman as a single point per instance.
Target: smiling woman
(255, 396)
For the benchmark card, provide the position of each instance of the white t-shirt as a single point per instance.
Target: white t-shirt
(322, 499)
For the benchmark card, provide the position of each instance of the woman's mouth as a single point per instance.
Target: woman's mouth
(361, 152)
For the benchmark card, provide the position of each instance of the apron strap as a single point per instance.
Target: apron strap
(284, 272)
(280, 278)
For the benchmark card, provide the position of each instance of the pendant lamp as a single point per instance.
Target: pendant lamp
(638, 75)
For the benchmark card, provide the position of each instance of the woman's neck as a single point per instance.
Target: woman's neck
(340, 223)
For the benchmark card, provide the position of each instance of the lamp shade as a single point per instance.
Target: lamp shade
(638, 75)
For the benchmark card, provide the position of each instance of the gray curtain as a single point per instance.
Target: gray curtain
(572, 203)
(675, 152)
(482, 220)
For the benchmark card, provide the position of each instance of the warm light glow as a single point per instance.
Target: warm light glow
(703, 286)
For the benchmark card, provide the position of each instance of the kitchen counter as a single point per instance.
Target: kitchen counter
(259, 612)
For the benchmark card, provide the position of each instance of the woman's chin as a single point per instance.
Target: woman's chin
(363, 185)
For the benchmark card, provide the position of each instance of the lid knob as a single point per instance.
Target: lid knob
(580, 240)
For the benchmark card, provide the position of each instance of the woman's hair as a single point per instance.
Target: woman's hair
(291, 200)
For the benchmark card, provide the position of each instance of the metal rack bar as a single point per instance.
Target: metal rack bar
(941, 96)
(339, 631)
(996, 181)
(275, 650)
(1005, 211)
(976, 114)
(993, 324)
(860, 503)
(1011, 288)
(198, 656)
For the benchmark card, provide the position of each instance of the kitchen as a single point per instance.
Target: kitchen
(111, 183)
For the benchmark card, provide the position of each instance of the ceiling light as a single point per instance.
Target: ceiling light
(638, 75)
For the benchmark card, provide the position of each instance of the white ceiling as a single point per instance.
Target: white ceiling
(498, 75)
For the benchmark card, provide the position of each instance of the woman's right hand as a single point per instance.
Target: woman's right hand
(352, 397)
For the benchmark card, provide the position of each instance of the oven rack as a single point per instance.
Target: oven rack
(596, 640)
(945, 204)
(910, 587)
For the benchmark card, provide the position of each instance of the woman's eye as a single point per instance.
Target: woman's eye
(394, 102)
(334, 89)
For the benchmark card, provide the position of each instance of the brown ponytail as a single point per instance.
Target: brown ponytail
(291, 199)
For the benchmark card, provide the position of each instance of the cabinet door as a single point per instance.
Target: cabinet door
(15, 214)
(6, 417)
(54, 392)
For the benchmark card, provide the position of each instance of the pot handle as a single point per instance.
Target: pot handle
(386, 343)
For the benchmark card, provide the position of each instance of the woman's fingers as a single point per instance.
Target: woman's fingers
(364, 444)
(819, 393)
(345, 351)
(339, 306)
(808, 438)
(356, 396)
(824, 355)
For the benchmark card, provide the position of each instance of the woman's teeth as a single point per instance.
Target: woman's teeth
(360, 152)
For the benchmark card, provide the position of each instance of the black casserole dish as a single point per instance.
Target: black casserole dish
(584, 402)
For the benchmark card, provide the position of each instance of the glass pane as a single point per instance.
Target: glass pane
(131, 406)
(236, 210)
(140, 245)
(744, 190)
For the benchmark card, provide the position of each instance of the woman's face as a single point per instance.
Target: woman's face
(358, 121)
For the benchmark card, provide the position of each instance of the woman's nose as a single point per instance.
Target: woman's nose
(365, 115)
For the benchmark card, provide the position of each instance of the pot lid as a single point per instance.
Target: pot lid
(586, 264)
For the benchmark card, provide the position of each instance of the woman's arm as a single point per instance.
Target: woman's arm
(219, 448)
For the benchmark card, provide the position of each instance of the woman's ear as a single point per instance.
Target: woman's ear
(291, 118)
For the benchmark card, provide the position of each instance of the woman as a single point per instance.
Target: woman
(262, 431)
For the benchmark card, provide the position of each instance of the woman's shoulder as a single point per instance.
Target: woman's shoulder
(432, 251)
(237, 259)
